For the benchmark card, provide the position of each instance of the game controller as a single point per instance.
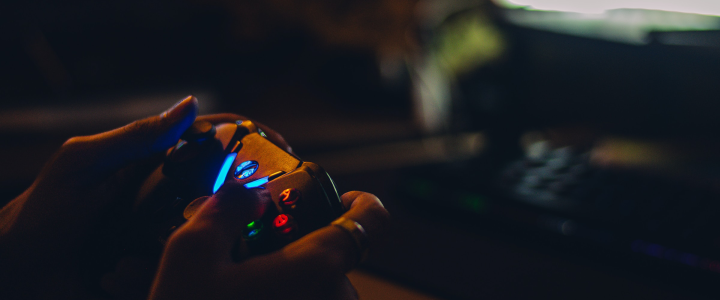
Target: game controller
(208, 156)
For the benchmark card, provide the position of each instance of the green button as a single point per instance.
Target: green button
(253, 230)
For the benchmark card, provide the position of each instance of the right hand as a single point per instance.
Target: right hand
(197, 262)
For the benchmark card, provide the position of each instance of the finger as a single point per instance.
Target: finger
(221, 118)
(336, 245)
(272, 135)
(90, 159)
(212, 230)
(368, 211)
(324, 253)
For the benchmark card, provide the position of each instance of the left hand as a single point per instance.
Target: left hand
(44, 230)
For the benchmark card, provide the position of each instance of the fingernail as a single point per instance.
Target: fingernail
(181, 108)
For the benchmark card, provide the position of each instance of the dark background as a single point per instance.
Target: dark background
(313, 72)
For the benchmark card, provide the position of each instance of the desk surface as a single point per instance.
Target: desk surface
(436, 257)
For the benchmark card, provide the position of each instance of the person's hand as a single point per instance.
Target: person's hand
(45, 230)
(198, 262)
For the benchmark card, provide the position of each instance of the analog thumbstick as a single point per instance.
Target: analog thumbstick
(199, 131)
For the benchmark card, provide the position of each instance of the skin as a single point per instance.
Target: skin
(43, 230)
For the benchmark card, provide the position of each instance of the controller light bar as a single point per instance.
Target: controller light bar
(223, 171)
(257, 183)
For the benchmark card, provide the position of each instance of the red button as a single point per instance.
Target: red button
(280, 220)
(283, 224)
(289, 197)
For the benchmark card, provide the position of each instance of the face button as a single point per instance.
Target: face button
(283, 224)
(246, 169)
(253, 230)
(281, 220)
(289, 197)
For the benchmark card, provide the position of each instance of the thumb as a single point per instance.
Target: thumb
(214, 228)
(90, 159)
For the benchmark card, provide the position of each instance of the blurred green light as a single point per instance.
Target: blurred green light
(421, 188)
(253, 229)
(474, 202)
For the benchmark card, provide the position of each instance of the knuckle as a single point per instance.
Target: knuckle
(380, 212)
(73, 143)
(375, 207)
(73, 147)
(70, 160)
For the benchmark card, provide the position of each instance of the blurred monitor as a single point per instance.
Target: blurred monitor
(641, 68)
(601, 125)
(619, 20)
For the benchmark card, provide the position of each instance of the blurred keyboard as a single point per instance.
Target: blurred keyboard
(652, 224)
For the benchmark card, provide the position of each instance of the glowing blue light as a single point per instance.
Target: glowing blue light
(256, 183)
(223, 171)
(246, 169)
